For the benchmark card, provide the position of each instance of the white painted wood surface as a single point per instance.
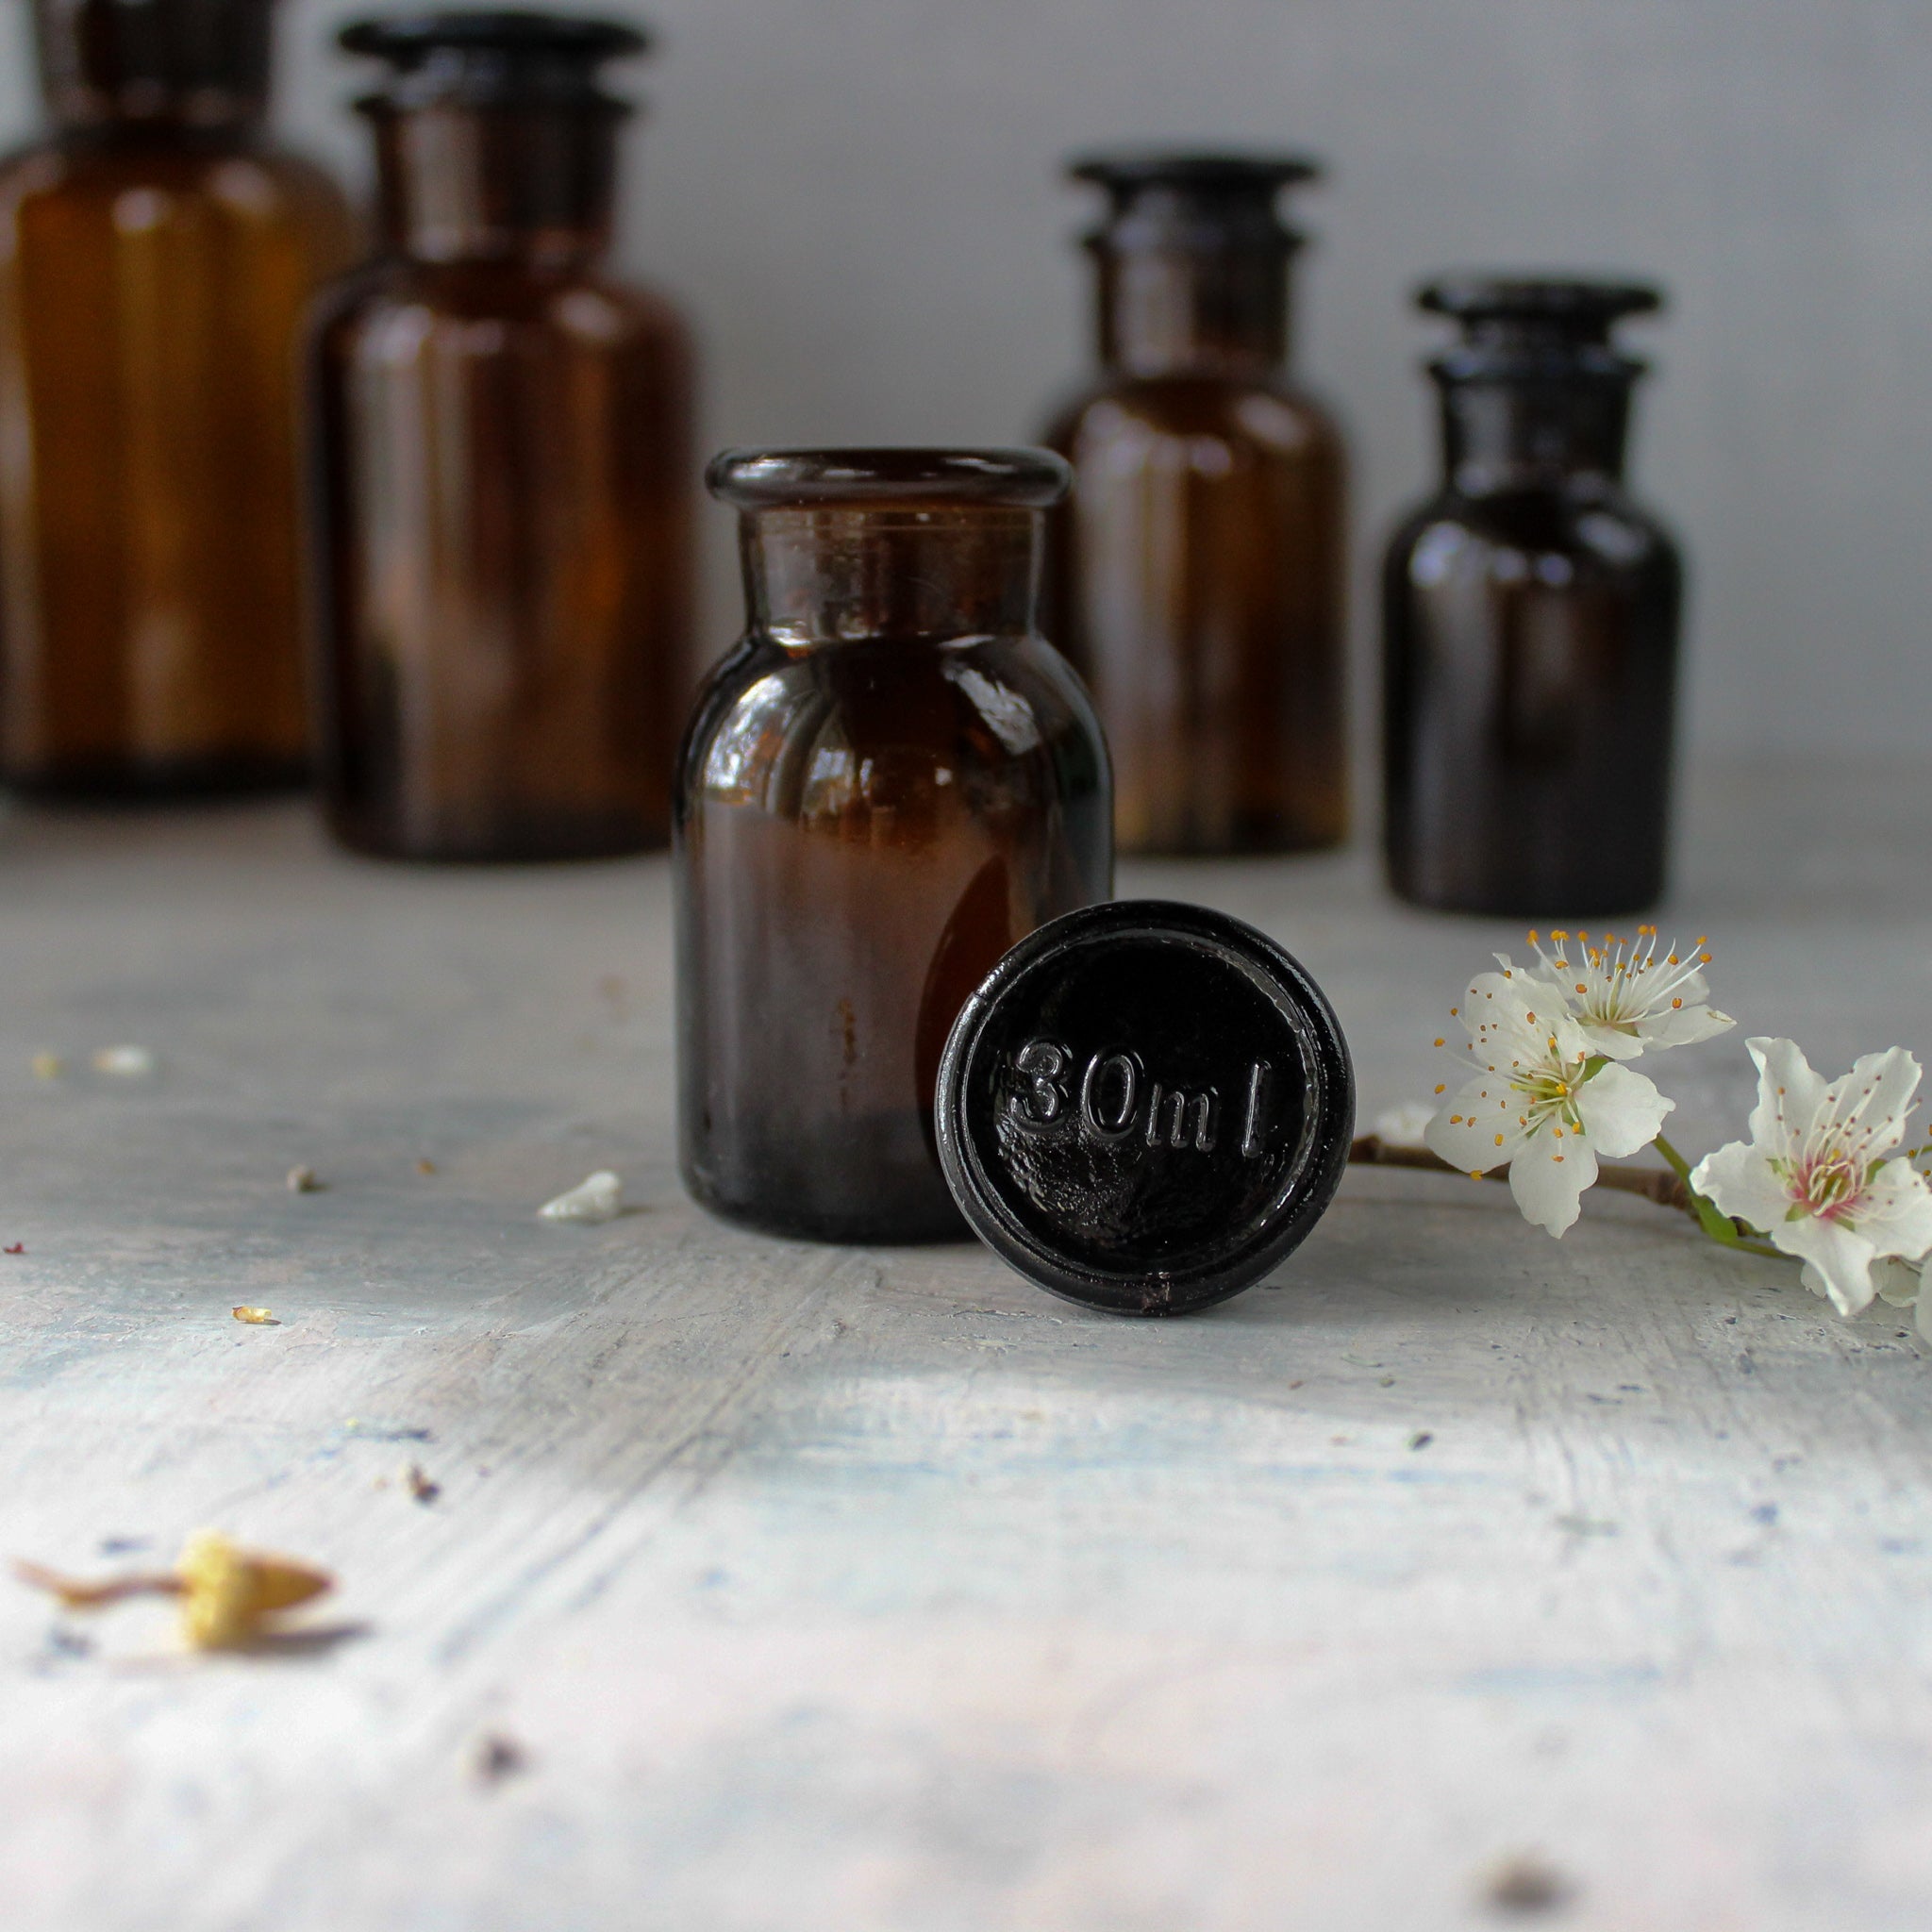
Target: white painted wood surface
(825, 1591)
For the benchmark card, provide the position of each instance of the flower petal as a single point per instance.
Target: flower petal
(1788, 1094)
(1740, 1180)
(1896, 1217)
(1465, 1133)
(1682, 1026)
(1621, 1110)
(1548, 1178)
(1837, 1253)
(1896, 1281)
(1878, 1093)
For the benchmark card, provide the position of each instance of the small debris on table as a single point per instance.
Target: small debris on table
(1523, 1883)
(124, 1062)
(419, 1485)
(230, 1597)
(16, 1248)
(599, 1197)
(425, 1165)
(257, 1318)
(497, 1756)
(47, 1066)
(301, 1180)
(378, 1431)
(1421, 1439)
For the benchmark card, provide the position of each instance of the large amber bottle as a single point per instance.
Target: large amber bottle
(1530, 613)
(504, 466)
(891, 780)
(1197, 576)
(157, 256)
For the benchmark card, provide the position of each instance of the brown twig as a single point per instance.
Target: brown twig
(1653, 1183)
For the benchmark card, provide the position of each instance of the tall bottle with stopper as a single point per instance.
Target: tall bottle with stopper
(158, 252)
(1530, 615)
(502, 465)
(1197, 574)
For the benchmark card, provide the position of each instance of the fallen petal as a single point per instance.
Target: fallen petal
(600, 1197)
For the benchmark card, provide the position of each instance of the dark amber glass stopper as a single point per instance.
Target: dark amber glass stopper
(1145, 1107)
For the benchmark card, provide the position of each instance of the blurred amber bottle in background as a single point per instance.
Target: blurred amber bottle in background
(1530, 615)
(156, 258)
(502, 466)
(1197, 576)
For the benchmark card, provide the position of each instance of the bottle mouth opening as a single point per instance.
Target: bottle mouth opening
(752, 479)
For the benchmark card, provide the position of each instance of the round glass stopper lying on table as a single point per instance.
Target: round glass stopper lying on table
(1145, 1107)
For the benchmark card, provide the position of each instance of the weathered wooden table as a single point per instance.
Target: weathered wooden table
(808, 1589)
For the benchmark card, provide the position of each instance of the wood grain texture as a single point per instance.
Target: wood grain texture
(827, 1590)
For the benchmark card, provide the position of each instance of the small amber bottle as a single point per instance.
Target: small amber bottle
(1197, 576)
(504, 466)
(1530, 616)
(156, 256)
(891, 779)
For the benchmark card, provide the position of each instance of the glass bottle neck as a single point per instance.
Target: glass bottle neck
(840, 575)
(1193, 312)
(525, 183)
(1527, 435)
(166, 66)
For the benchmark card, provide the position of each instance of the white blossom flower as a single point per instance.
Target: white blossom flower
(1901, 1283)
(1535, 1104)
(1815, 1174)
(1625, 998)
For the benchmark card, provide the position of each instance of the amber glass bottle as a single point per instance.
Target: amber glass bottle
(1197, 576)
(891, 780)
(1530, 622)
(504, 466)
(156, 256)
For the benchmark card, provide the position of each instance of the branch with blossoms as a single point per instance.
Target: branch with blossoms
(1545, 1087)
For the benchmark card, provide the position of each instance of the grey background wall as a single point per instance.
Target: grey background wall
(858, 201)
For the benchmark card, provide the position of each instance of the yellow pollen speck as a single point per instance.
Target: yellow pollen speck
(1558, 1158)
(1499, 1139)
(1476, 1174)
(1674, 1004)
(1438, 1041)
(1440, 1086)
(1581, 988)
(1455, 1120)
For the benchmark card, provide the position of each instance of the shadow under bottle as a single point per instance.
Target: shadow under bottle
(1530, 621)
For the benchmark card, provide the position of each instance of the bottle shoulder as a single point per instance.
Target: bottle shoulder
(580, 305)
(1600, 521)
(973, 704)
(243, 173)
(1272, 417)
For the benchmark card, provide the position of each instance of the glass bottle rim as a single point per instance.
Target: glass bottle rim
(1565, 301)
(405, 37)
(1204, 171)
(756, 479)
